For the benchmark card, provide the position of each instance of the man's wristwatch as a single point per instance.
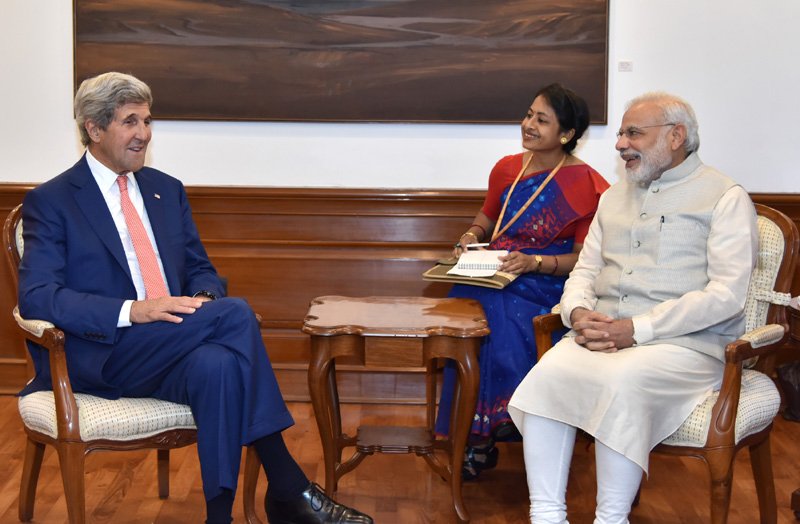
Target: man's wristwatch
(208, 294)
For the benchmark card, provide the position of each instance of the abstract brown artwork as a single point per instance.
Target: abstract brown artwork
(348, 60)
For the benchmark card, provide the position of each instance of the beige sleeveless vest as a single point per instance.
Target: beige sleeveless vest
(654, 245)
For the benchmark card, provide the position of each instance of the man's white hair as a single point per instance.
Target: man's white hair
(676, 110)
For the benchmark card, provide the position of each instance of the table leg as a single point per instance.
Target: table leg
(319, 383)
(431, 372)
(336, 420)
(468, 376)
(252, 465)
(431, 368)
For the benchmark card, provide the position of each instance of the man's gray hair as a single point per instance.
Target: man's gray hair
(99, 97)
(676, 110)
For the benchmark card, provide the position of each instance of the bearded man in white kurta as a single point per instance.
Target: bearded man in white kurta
(658, 291)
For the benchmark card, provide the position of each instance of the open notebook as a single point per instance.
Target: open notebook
(475, 268)
(479, 263)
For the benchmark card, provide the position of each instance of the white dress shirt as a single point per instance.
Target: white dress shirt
(107, 181)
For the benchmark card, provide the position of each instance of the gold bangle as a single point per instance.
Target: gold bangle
(470, 233)
(538, 259)
(483, 231)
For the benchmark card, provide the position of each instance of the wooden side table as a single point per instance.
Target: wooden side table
(385, 332)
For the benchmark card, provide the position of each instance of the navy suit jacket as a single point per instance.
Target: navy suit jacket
(74, 272)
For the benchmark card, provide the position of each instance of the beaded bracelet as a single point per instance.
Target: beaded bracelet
(555, 259)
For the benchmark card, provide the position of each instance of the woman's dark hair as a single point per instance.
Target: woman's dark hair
(571, 111)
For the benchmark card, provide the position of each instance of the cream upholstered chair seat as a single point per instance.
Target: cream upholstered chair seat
(758, 405)
(101, 419)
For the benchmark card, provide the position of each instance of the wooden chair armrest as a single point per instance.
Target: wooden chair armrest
(543, 327)
(33, 327)
(721, 430)
(759, 342)
(49, 337)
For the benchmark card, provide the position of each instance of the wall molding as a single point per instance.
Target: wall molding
(281, 247)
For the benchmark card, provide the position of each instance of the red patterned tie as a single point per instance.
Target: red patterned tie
(148, 264)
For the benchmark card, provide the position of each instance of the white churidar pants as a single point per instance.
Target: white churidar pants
(548, 446)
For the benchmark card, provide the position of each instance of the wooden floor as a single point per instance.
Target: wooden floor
(121, 487)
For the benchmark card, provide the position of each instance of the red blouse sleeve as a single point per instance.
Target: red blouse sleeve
(500, 178)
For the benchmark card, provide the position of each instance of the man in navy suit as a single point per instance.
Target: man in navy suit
(194, 346)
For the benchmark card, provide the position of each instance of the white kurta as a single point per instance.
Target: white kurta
(634, 398)
(629, 400)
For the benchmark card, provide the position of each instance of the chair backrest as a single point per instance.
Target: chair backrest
(770, 284)
(12, 241)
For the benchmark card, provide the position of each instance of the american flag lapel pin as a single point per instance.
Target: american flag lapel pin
(157, 196)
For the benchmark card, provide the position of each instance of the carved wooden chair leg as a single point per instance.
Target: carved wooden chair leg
(761, 462)
(252, 466)
(34, 452)
(720, 465)
(72, 456)
(163, 473)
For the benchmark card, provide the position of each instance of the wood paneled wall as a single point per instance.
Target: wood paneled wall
(281, 247)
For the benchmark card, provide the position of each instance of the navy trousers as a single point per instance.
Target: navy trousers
(215, 362)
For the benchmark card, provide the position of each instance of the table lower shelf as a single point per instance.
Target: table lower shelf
(399, 440)
(394, 439)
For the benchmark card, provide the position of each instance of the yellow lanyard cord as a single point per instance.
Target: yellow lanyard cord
(497, 233)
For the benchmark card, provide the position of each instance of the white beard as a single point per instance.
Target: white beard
(651, 164)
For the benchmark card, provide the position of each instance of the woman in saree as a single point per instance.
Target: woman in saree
(538, 207)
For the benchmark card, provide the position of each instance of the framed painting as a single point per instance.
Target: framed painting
(348, 60)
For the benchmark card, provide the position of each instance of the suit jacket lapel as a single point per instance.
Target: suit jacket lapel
(91, 202)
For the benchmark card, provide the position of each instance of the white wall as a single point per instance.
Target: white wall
(734, 60)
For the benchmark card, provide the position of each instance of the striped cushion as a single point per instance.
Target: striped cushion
(121, 419)
(758, 404)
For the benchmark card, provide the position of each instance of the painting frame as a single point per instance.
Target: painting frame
(459, 61)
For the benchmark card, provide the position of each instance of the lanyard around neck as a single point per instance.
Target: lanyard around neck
(497, 233)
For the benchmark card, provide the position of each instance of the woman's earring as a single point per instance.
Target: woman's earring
(564, 140)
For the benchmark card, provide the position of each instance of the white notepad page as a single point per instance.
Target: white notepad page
(481, 263)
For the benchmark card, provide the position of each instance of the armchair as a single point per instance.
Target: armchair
(76, 424)
(740, 414)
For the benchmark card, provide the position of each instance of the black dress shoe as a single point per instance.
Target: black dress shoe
(313, 506)
(477, 459)
(506, 431)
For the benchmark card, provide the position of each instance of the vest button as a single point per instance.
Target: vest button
(643, 216)
(636, 243)
(624, 298)
(628, 271)
(655, 190)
